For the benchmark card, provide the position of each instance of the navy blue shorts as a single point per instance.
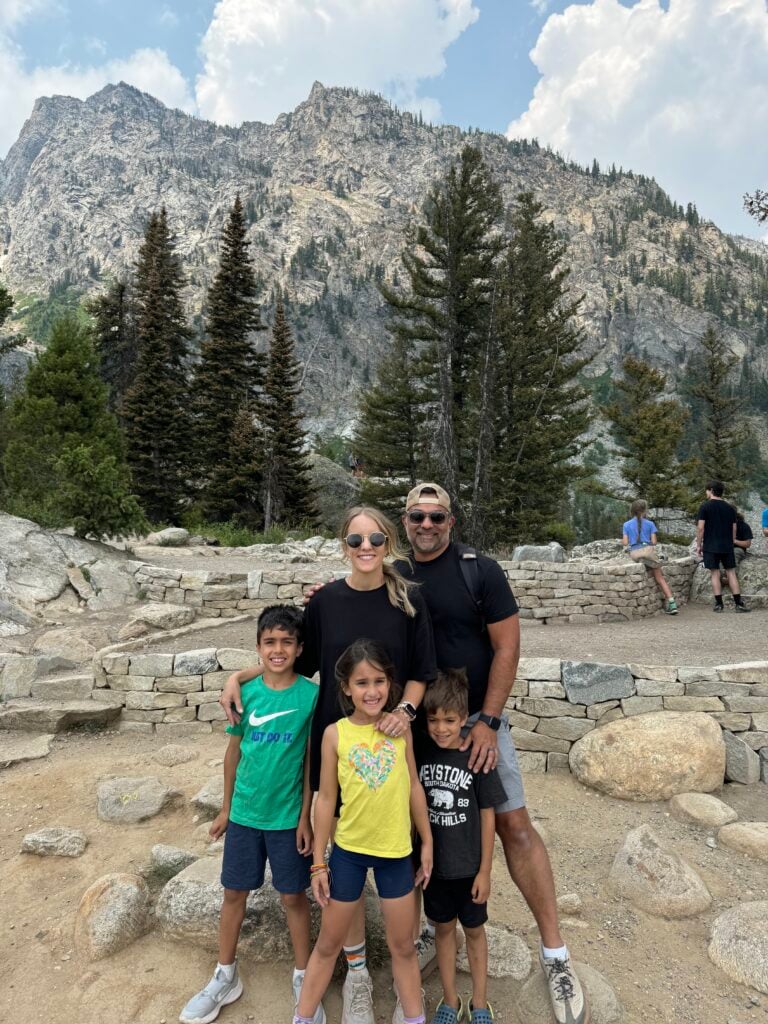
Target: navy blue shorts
(247, 850)
(445, 899)
(393, 875)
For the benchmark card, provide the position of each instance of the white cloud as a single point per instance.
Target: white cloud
(262, 56)
(14, 12)
(681, 94)
(540, 6)
(168, 18)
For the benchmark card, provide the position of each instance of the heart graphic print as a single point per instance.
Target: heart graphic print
(373, 766)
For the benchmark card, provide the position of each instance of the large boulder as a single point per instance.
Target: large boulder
(508, 954)
(129, 800)
(753, 580)
(113, 913)
(652, 757)
(43, 717)
(742, 763)
(533, 1005)
(172, 537)
(552, 552)
(335, 490)
(655, 880)
(739, 944)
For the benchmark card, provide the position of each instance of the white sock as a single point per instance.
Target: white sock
(228, 969)
(298, 973)
(561, 953)
(430, 928)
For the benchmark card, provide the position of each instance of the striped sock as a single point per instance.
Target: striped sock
(356, 958)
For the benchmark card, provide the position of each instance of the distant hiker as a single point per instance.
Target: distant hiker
(352, 463)
(715, 538)
(639, 540)
(744, 537)
(765, 522)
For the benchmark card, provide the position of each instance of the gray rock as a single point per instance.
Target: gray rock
(558, 763)
(590, 683)
(701, 809)
(565, 728)
(66, 642)
(16, 747)
(128, 800)
(17, 675)
(151, 665)
(162, 616)
(167, 861)
(748, 837)
(508, 954)
(552, 552)
(739, 944)
(209, 799)
(172, 754)
(55, 842)
(34, 717)
(172, 537)
(533, 1005)
(63, 688)
(656, 880)
(742, 764)
(525, 740)
(113, 913)
(570, 903)
(231, 659)
(764, 764)
(336, 490)
(539, 668)
(192, 663)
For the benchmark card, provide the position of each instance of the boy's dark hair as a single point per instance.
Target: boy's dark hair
(376, 654)
(717, 487)
(281, 616)
(449, 692)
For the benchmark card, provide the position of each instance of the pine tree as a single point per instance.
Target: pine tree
(6, 304)
(288, 490)
(541, 410)
(450, 262)
(389, 438)
(230, 372)
(235, 488)
(720, 429)
(649, 430)
(157, 420)
(64, 460)
(114, 314)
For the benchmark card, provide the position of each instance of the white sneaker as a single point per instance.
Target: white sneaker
(398, 1016)
(319, 1017)
(206, 1005)
(357, 998)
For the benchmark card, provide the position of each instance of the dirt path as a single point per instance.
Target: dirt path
(660, 969)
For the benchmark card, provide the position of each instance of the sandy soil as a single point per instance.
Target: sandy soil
(660, 969)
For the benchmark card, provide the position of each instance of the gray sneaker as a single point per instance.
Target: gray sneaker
(569, 1001)
(206, 1005)
(398, 1015)
(357, 998)
(319, 1017)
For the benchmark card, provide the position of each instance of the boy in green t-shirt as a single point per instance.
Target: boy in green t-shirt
(265, 813)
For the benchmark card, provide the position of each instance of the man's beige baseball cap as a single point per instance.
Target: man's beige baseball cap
(436, 495)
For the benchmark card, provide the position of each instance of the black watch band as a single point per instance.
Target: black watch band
(490, 720)
(408, 708)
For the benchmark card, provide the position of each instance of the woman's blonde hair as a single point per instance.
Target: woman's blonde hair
(398, 587)
(638, 508)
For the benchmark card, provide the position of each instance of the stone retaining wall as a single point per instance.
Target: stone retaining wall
(553, 703)
(579, 592)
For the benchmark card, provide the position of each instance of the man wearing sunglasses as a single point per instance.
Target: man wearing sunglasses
(476, 626)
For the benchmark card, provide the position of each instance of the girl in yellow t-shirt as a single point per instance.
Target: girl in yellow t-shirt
(380, 794)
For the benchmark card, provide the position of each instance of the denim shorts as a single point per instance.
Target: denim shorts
(507, 766)
(247, 850)
(393, 875)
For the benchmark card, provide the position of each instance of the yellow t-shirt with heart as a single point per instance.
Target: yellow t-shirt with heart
(375, 792)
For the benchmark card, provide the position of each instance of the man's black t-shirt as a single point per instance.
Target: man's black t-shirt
(719, 517)
(460, 639)
(455, 796)
(338, 615)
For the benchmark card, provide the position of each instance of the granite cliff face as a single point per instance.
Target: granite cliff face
(328, 190)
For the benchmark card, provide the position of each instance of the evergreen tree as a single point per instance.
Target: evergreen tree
(64, 461)
(230, 371)
(114, 314)
(157, 419)
(720, 429)
(541, 410)
(389, 438)
(450, 262)
(6, 304)
(649, 430)
(235, 488)
(287, 487)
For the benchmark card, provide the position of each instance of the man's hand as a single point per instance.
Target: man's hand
(304, 836)
(231, 695)
(484, 743)
(395, 723)
(219, 825)
(310, 592)
(481, 887)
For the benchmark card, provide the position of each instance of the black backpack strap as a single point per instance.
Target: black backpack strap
(471, 576)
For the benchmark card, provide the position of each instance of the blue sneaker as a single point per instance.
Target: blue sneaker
(206, 1005)
(447, 1015)
(484, 1016)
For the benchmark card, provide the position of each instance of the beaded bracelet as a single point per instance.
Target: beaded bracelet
(315, 870)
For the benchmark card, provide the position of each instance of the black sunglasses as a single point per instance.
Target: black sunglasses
(417, 517)
(355, 540)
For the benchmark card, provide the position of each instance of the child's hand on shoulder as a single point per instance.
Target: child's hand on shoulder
(219, 825)
(481, 887)
(304, 836)
(424, 873)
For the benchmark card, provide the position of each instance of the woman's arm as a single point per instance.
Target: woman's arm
(325, 808)
(420, 814)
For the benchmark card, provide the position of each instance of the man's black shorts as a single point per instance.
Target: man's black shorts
(448, 898)
(713, 559)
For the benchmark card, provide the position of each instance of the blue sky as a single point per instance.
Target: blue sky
(677, 89)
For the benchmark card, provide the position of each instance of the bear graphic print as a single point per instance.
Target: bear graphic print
(373, 766)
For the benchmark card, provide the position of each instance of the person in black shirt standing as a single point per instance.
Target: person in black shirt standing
(715, 536)
(476, 627)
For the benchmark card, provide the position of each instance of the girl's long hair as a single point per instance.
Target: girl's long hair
(376, 654)
(638, 508)
(398, 588)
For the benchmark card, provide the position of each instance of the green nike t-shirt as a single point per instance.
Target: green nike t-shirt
(270, 776)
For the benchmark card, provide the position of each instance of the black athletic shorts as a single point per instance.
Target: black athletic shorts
(445, 899)
(714, 559)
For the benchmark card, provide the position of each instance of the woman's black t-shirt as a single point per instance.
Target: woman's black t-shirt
(338, 615)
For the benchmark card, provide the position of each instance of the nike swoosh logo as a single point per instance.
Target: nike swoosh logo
(256, 722)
